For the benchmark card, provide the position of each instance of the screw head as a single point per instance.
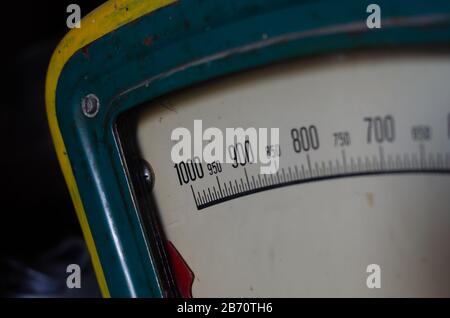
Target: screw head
(148, 174)
(90, 105)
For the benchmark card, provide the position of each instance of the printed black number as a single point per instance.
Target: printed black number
(342, 139)
(214, 167)
(305, 138)
(189, 171)
(380, 129)
(241, 154)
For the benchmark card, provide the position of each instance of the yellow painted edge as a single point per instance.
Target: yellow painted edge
(106, 18)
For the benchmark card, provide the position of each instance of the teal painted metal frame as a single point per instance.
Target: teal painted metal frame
(183, 44)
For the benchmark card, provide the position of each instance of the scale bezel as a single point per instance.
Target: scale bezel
(174, 48)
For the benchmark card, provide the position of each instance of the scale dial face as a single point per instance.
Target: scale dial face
(363, 178)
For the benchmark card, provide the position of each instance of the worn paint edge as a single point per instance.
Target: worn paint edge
(106, 18)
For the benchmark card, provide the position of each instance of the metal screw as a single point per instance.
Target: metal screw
(90, 105)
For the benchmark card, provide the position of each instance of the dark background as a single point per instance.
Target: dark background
(40, 234)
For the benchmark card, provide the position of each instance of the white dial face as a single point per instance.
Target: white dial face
(363, 179)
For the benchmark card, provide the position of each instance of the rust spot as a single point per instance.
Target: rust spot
(148, 41)
(399, 20)
(424, 260)
(369, 198)
(356, 33)
(166, 105)
(85, 51)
